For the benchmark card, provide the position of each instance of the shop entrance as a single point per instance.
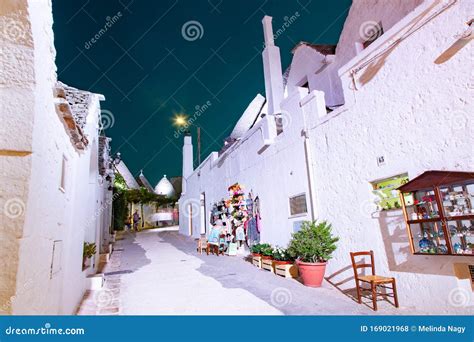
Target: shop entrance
(203, 213)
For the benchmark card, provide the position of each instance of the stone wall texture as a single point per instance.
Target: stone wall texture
(43, 224)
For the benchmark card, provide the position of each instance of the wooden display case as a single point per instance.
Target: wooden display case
(440, 221)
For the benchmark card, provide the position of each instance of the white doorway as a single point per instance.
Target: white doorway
(190, 219)
(203, 213)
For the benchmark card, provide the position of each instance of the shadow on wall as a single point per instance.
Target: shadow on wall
(452, 50)
(399, 256)
(373, 68)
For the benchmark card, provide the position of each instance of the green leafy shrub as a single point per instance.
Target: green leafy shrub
(260, 248)
(266, 249)
(89, 250)
(313, 243)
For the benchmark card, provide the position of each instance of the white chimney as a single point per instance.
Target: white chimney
(187, 159)
(272, 69)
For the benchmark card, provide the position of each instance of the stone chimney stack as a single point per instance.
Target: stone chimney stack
(272, 69)
(187, 159)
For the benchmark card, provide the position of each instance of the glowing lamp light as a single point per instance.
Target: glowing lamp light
(180, 120)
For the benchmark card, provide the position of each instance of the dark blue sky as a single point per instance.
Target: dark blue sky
(148, 71)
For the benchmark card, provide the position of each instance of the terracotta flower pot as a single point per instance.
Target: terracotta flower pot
(312, 274)
(267, 257)
(256, 254)
(282, 262)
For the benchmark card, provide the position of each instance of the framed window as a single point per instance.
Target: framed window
(62, 182)
(388, 196)
(298, 205)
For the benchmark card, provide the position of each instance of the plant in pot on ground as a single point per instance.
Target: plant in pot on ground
(266, 250)
(313, 246)
(88, 252)
(281, 256)
(257, 248)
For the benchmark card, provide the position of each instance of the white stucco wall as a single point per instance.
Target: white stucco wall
(33, 146)
(274, 174)
(415, 113)
(419, 116)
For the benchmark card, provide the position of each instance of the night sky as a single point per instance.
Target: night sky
(149, 71)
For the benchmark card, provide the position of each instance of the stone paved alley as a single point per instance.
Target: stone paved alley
(160, 273)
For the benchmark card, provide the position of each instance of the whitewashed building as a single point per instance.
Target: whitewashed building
(54, 195)
(394, 97)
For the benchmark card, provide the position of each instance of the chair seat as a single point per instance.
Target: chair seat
(375, 278)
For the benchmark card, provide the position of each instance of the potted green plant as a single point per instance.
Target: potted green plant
(266, 251)
(281, 256)
(88, 252)
(256, 249)
(313, 246)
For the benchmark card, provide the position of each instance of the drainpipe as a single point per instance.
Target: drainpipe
(320, 110)
(309, 170)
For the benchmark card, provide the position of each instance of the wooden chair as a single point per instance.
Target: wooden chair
(201, 244)
(375, 281)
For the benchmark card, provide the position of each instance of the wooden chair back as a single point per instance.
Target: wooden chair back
(356, 266)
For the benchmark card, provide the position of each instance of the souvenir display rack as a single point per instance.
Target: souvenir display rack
(440, 221)
(235, 221)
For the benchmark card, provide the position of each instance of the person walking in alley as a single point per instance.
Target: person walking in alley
(136, 220)
(128, 223)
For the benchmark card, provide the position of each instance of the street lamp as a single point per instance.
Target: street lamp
(181, 120)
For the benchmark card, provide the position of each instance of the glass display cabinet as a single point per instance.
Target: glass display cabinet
(440, 220)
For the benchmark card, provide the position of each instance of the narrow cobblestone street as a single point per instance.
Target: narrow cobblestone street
(160, 273)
